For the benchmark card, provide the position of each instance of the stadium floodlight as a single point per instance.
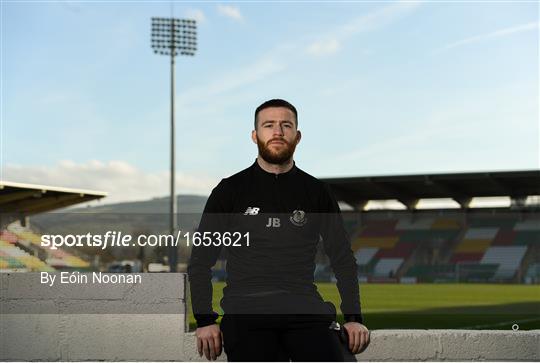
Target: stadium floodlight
(172, 37)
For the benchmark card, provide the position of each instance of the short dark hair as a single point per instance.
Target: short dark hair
(276, 102)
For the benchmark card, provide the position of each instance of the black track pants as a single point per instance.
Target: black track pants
(280, 338)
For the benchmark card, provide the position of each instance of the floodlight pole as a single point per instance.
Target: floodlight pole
(172, 36)
(173, 257)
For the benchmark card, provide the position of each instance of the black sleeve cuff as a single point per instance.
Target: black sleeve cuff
(206, 319)
(354, 317)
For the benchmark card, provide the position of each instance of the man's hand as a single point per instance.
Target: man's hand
(209, 340)
(358, 336)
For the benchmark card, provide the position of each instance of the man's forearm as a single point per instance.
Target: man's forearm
(200, 279)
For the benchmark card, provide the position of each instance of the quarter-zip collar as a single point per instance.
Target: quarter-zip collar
(260, 171)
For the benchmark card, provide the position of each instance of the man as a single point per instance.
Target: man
(272, 308)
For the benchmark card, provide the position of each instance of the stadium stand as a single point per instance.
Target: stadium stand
(19, 200)
(482, 253)
(15, 259)
(20, 248)
(55, 258)
(465, 244)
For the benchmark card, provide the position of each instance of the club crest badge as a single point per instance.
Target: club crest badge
(298, 218)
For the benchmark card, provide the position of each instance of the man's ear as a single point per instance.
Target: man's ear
(254, 136)
(298, 136)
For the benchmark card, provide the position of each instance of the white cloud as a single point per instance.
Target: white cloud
(196, 14)
(121, 180)
(496, 34)
(234, 79)
(230, 12)
(325, 47)
(332, 41)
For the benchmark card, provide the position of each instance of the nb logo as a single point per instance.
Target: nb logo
(252, 211)
(273, 222)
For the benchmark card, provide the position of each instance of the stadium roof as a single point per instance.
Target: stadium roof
(27, 199)
(461, 187)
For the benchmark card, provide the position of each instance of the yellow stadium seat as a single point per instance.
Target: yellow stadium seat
(445, 223)
(378, 242)
(473, 245)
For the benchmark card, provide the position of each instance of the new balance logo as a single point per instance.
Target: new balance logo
(252, 211)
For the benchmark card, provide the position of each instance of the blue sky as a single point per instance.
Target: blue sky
(382, 88)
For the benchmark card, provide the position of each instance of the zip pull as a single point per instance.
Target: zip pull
(335, 326)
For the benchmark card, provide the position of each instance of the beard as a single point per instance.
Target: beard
(276, 157)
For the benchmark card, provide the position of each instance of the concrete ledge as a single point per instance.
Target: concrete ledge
(434, 345)
(94, 337)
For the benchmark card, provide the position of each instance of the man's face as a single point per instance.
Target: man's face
(276, 135)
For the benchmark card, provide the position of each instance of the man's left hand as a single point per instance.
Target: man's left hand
(358, 336)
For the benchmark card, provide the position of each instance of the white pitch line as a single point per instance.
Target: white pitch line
(499, 324)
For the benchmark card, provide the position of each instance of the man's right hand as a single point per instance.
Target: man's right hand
(209, 341)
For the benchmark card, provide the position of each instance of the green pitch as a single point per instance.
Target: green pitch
(436, 306)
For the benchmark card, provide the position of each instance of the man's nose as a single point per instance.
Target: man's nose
(278, 130)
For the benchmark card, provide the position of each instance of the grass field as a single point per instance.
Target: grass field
(436, 306)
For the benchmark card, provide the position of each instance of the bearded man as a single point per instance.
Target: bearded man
(272, 308)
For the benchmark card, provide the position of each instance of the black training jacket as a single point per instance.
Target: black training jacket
(286, 215)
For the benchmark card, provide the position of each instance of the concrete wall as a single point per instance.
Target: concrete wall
(146, 321)
(91, 321)
(435, 345)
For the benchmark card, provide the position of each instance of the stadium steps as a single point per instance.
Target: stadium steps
(532, 273)
(446, 223)
(17, 259)
(414, 223)
(527, 238)
(532, 257)
(446, 251)
(352, 225)
(409, 262)
(387, 266)
(378, 228)
(531, 223)
(53, 257)
(476, 241)
(506, 221)
(377, 242)
(505, 237)
(26, 249)
(365, 255)
(509, 259)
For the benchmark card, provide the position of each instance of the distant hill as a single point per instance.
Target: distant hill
(186, 204)
(150, 214)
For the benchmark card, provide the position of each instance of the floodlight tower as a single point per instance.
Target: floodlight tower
(172, 37)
